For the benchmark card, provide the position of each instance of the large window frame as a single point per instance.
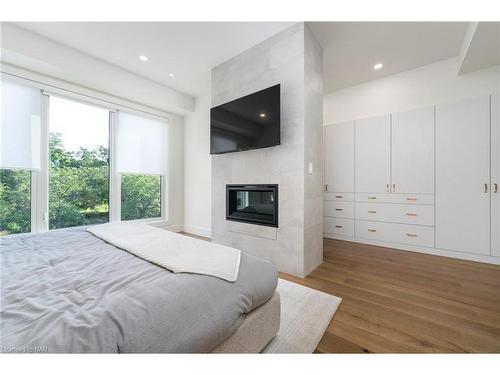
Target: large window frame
(40, 177)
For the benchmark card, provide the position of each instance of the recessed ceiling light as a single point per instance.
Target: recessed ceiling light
(143, 58)
(171, 75)
(378, 66)
(262, 115)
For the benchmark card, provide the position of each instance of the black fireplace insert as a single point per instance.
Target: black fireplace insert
(254, 204)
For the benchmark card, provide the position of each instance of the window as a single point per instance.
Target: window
(15, 201)
(140, 163)
(78, 164)
(140, 197)
(19, 155)
(65, 163)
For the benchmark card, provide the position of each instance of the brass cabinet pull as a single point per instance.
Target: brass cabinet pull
(411, 199)
(387, 188)
(372, 211)
(372, 197)
(485, 188)
(339, 226)
(326, 187)
(495, 188)
(339, 209)
(393, 188)
(372, 230)
(410, 214)
(411, 235)
(339, 196)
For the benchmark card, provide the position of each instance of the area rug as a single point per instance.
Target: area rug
(305, 316)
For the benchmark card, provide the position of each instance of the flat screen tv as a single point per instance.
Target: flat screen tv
(250, 122)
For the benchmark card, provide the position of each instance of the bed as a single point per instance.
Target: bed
(67, 291)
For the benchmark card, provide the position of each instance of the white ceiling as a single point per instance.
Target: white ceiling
(352, 48)
(189, 50)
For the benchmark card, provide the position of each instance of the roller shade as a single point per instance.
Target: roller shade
(20, 127)
(140, 144)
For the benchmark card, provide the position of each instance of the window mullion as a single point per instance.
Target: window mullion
(42, 176)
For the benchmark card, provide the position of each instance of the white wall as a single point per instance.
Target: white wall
(198, 168)
(431, 84)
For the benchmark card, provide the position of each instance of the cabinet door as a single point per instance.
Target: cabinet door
(495, 175)
(412, 159)
(373, 154)
(462, 170)
(339, 157)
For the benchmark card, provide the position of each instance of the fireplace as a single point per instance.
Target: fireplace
(254, 204)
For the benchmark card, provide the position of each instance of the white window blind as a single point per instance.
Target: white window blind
(140, 145)
(20, 127)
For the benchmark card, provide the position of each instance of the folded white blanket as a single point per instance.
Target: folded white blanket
(173, 251)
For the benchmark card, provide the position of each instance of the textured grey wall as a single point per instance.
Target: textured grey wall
(283, 59)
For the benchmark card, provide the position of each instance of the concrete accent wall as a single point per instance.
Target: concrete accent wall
(313, 152)
(282, 59)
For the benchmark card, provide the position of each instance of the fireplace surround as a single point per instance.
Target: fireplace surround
(253, 204)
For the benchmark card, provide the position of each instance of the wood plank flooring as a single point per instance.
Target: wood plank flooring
(398, 301)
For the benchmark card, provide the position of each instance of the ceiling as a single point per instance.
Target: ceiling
(351, 49)
(189, 50)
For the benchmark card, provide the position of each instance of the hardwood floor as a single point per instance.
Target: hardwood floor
(398, 301)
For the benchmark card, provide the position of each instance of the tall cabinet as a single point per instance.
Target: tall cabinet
(495, 175)
(463, 176)
(373, 154)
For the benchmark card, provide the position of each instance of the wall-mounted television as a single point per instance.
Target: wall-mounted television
(250, 122)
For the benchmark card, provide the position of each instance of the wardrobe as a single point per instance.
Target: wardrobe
(424, 179)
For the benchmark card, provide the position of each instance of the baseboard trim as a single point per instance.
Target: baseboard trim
(424, 250)
(198, 231)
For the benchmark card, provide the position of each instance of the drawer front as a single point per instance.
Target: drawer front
(396, 213)
(338, 226)
(347, 197)
(338, 209)
(396, 198)
(399, 233)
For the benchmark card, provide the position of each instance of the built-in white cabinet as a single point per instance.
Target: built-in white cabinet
(412, 151)
(495, 175)
(424, 179)
(463, 176)
(373, 154)
(339, 157)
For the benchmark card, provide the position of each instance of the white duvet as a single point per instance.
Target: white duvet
(175, 252)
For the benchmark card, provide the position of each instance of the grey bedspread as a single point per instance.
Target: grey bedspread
(68, 291)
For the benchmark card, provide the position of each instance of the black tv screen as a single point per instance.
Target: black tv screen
(250, 122)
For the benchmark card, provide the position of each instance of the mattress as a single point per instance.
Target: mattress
(67, 291)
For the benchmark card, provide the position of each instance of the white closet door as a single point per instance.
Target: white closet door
(462, 170)
(373, 154)
(339, 157)
(495, 175)
(413, 151)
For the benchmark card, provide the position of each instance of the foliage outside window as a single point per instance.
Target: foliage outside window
(78, 185)
(15, 201)
(140, 197)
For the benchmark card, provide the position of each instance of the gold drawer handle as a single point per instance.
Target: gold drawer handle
(339, 196)
(411, 199)
(339, 209)
(339, 226)
(372, 197)
(411, 235)
(372, 230)
(485, 188)
(495, 187)
(410, 214)
(372, 211)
